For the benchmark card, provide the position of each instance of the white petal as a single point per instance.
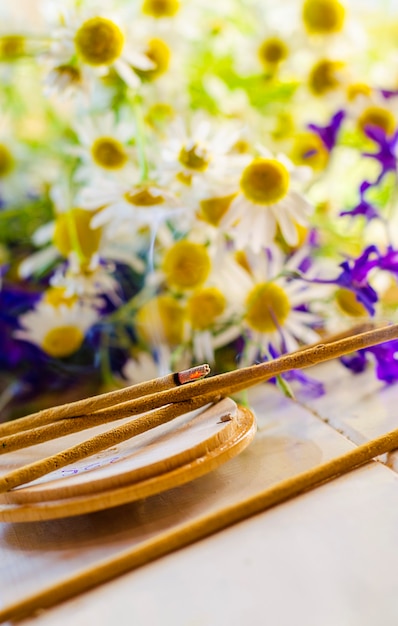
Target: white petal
(286, 225)
(138, 60)
(43, 234)
(270, 227)
(259, 231)
(234, 212)
(127, 74)
(37, 261)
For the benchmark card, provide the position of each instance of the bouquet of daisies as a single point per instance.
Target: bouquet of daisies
(186, 181)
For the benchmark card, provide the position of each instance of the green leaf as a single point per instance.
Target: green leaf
(17, 224)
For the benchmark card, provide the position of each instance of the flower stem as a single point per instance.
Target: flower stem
(140, 139)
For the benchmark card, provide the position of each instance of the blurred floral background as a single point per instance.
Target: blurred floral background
(187, 181)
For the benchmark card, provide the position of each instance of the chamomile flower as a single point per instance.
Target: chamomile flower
(326, 77)
(209, 287)
(98, 44)
(323, 17)
(160, 328)
(103, 146)
(143, 204)
(272, 52)
(211, 316)
(202, 152)
(308, 149)
(266, 200)
(367, 108)
(265, 51)
(186, 265)
(21, 38)
(194, 262)
(160, 9)
(68, 236)
(163, 43)
(277, 308)
(89, 283)
(198, 300)
(74, 235)
(58, 329)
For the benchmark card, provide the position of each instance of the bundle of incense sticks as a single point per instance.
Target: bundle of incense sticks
(157, 402)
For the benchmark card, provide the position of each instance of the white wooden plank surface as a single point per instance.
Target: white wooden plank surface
(328, 557)
(360, 406)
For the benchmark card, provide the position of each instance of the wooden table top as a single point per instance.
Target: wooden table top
(327, 557)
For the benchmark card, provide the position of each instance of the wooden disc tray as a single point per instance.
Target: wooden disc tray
(157, 460)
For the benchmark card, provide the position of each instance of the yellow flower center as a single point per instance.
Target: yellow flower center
(204, 306)
(379, 117)
(159, 53)
(62, 341)
(159, 114)
(308, 149)
(12, 47)
(194, 158)
(241, 146)
(55, 296)
(273, 51)
(161, 320)
(323, 78)
(6, 161)
(349, 304)
(267, 307)
(99, 41)
(323, 17)
(213, 209)
(160, 8)
(143, 197)
(73, 232)
(186, 265)
(67, 75)
(185, 179)
(356, 90)
(108, 153)
(265, 181)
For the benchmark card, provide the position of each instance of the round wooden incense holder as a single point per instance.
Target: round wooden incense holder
(165, 457)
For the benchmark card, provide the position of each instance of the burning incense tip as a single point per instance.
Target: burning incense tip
(194, 373)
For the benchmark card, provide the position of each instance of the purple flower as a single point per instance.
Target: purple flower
(389, 93)
(354, 277)
(387, 152)
(364, 207)
(355, 362)
(329, 133)
(385, 355)
(389, 260)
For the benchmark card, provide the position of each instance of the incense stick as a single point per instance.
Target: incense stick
(187, 533)
(94, 403)
(100, 442)
(227, 384)
(202, 391)
(231, 382)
